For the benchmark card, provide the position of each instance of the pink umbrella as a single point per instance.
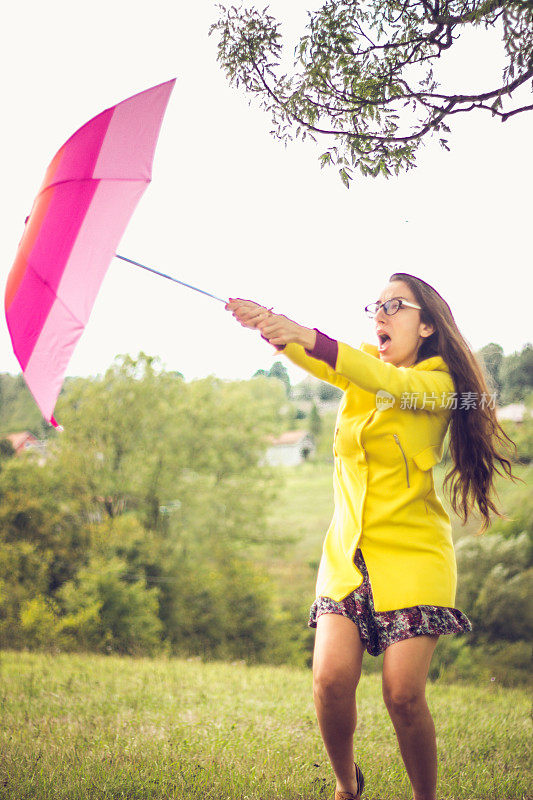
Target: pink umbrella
(88, 195)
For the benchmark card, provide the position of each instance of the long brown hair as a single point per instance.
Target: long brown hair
(476, 437)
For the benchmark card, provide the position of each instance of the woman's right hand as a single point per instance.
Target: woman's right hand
(248, 313)
(277, 329)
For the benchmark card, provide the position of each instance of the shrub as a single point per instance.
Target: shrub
(107, 613)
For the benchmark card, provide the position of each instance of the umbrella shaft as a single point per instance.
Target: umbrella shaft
(170, 278)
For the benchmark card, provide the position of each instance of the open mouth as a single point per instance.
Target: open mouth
(384, 342)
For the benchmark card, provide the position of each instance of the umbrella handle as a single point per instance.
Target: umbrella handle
(170, 278)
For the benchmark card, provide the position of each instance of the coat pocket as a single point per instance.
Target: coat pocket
(428, 457)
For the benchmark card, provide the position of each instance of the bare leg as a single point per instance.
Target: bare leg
(405, 669)
(337, 664)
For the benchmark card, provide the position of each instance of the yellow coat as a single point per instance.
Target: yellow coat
(385, 500)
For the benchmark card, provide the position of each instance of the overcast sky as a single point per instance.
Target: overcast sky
(233, 211)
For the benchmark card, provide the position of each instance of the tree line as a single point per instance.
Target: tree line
(132, 536)
(510, 377)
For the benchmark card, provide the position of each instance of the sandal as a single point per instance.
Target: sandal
(360, 786)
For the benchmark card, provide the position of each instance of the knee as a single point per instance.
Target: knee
(402, 702)
(332, 685)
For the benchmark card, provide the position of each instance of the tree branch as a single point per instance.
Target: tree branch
(354, 70)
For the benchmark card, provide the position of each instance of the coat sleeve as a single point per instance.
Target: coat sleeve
(342, 365)
(373, 374)
(315, 366)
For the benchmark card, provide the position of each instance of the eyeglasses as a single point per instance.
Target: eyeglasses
(390, 307)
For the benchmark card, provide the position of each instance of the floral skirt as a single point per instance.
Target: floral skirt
(379, 629)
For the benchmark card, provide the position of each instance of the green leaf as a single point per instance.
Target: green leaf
(344, 177)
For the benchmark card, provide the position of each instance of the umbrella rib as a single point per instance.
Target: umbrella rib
(87, 180)
(54, 292)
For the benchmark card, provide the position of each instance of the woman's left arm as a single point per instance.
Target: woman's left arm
(345, 363)
(373, 374)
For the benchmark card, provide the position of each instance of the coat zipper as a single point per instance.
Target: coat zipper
(396, 439)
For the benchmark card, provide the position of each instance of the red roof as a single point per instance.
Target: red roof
(289, 437)
(22, 440)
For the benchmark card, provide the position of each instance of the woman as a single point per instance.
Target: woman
(387, 577)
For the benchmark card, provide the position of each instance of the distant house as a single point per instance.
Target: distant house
(289, 449)
(25, 441)
(515, 412)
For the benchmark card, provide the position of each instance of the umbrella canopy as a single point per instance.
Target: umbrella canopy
(87, 197)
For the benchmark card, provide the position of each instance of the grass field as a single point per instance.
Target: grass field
(102, 727)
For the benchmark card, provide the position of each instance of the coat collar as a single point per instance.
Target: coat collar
(435, 362)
